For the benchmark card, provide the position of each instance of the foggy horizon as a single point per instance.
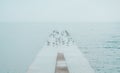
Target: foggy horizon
(59, 11)
(25, 26)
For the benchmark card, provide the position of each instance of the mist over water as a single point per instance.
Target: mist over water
(20, 43)
(26, 24)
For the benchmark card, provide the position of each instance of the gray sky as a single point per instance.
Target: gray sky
(59, 10)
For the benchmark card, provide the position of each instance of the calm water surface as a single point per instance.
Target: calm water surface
(19, 44)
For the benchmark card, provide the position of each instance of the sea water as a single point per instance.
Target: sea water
(20, 43)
